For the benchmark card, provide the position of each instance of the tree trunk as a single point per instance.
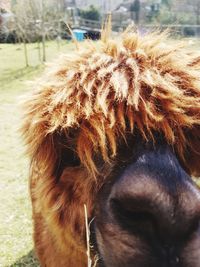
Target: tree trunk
(58, 39)
(25, 52)
(43, 47)
(43, 35)
(137, 17)
(132, 15)
(58, 42)
(198, 14)
(39, 51)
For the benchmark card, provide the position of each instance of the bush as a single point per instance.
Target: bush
(165, 16)
(189, 31)
(91, 14)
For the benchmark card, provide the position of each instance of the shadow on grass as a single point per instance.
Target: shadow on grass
(28, 260)
(10, 75)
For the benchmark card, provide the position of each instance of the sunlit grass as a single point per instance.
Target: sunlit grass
(13, 62)
(15, 209)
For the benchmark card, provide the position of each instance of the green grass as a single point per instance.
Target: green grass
(16, 247)
(13, 62)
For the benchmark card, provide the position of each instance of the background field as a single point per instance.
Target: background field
(15, 216)
(16, 247)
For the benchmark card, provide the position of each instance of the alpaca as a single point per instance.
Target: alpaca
(115, 126)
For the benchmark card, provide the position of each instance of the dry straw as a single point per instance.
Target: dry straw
(87, 227)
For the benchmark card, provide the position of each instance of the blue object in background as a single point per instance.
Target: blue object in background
(79, 34)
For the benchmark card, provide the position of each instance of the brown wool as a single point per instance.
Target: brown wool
(144, 80)
(86, 103)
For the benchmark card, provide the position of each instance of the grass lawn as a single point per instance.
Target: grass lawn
(16, 247)
(15, 209)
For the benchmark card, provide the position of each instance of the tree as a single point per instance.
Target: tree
(167, 3)
(197, 11)
(35, 21)
(5, 5)
(91, 14)
(196, 7)
(135, 8)
(23, 27)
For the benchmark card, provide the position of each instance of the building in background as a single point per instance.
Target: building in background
(104, 6)
(5, 5)
(5, 16)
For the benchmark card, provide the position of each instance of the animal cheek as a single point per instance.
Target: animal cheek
(191, 252)
(117, 248)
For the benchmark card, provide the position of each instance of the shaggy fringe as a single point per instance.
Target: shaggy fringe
(100, 93)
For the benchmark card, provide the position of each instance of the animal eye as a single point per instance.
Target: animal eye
(67, 158)
(70, 159)
(66, 154)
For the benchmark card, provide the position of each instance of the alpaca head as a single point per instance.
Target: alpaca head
(115, 126)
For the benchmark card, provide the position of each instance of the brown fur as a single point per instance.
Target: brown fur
(87, 103)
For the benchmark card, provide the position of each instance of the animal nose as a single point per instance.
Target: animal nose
(156, 208)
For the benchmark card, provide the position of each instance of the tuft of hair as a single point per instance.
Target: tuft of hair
(97, 95)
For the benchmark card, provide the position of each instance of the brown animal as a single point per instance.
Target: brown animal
(116, 126)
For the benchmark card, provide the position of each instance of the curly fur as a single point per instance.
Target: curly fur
(86, 103)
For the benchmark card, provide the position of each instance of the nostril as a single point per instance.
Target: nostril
(170, 255)
(131, 212)
(196, 224)
(193, 227)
